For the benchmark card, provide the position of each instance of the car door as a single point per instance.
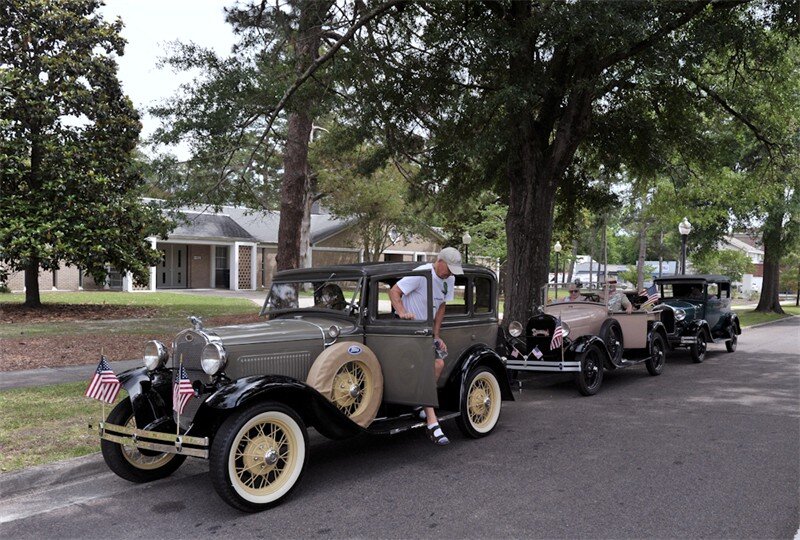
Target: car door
(404, 347)
(713, 306)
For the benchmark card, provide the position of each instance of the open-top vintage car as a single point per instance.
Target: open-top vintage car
(332, 355)
(702, 303)
(594, 339)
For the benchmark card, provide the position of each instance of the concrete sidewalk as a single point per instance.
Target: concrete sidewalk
(58, 375)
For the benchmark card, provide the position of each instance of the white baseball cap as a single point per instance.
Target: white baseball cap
(452, 258)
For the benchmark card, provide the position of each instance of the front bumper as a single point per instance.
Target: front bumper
(156, 441)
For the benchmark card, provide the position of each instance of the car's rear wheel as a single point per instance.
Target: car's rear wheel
(698, 348)
(129, 462)
(658, 355)
(611, 334)
(350, 376)
(731, 343)
(258, 456)
(590, 377)
(480, 403)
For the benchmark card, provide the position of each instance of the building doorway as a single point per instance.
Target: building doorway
(222, 271)
(172, 270)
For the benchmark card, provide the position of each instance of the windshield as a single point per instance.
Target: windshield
(343, 296)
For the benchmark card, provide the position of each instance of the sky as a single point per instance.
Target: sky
(149, 26)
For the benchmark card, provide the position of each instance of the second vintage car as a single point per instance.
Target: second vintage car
(593, 339)
(331, 355)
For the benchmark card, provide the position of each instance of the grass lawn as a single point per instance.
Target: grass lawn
(47, 423)
(749, 317)
(165, 310)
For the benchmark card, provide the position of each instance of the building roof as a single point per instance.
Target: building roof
(197, 225)
(737, 242)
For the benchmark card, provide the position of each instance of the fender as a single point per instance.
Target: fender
(150, 394)
(577, 348)
(733, 318)
(478, 355)
(658, 328)
(313, 407)
(700, 325)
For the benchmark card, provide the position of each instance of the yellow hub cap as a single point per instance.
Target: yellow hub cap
(352, 387)
(480, 399)
(264, 453)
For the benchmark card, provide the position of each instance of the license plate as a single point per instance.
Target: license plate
(690, 339)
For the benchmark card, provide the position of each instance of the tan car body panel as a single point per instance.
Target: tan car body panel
(586, 318)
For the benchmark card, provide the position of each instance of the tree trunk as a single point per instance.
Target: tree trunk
(642, 255)
(574, 260)
(32, 298)
(295, 183)
(773, 250)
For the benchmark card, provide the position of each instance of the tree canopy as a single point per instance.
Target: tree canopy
(69, 191)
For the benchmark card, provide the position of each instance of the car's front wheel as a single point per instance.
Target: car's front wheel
(698, 348)
(258, 456)
(590, 377)
(129, 462)
(658, 354)
(731, 343)
(480, 403)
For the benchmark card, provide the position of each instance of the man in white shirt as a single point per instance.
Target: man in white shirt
(409, 298)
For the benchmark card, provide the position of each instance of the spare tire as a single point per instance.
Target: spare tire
(611, 334)
(350, 376)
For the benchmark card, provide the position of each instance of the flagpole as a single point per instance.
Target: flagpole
(102, 402)
(178, 380)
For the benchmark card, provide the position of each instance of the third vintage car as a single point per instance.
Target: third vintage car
(702, 306)
(330, 354)
(594, 339)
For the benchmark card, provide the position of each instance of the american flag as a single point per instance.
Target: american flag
(181, 391)
(104, 386)
(558, 336)
(652, 294)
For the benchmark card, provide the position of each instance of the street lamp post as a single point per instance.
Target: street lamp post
(684, 227)
(466, 239)
(557, 249)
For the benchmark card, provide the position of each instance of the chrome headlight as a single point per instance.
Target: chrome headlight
(564, 329)
(155, 355)
(334, 331)
(515, 329)
(679, 314)
(213, 358)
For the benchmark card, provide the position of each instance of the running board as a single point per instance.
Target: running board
(405, 423)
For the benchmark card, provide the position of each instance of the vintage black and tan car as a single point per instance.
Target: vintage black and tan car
(594, 339)
(331, 355)
(703, 315)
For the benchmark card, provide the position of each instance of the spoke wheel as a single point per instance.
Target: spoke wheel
(611, 334)
(129, 462)
(258, 456)
(658, 355)
(730, 345)
(352, 388)
(480, 403)
(349, 375)
(590, 377)
(698, 348)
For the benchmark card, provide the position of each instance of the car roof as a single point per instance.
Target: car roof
(357, 270)
(693, 278)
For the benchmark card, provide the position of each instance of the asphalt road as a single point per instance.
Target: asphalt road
(704, 450)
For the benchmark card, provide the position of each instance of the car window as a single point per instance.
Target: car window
(382, 309)
(482, 295)
(333, 295)
(458, 305)
(713, 290)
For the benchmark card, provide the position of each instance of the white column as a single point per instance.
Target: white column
(127, 282)
(235, 267)
(151, 284)
(253, 265)
(213, 250)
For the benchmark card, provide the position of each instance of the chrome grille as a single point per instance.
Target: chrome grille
(294, 364)
(188, 345)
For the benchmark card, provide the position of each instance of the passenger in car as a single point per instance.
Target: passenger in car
(617, 300)
(574, 294)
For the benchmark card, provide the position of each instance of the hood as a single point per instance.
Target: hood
(280, 330)
(688, 307)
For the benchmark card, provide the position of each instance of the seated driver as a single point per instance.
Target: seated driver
(330, 296)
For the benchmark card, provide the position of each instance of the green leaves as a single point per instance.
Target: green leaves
(69, 193)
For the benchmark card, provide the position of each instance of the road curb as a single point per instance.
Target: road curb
(771, 322)
(51, 474)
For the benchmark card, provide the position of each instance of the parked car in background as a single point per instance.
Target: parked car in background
(331, 355)
(702, 304)
(594, 339)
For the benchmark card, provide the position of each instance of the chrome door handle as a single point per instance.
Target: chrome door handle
(424, 332)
